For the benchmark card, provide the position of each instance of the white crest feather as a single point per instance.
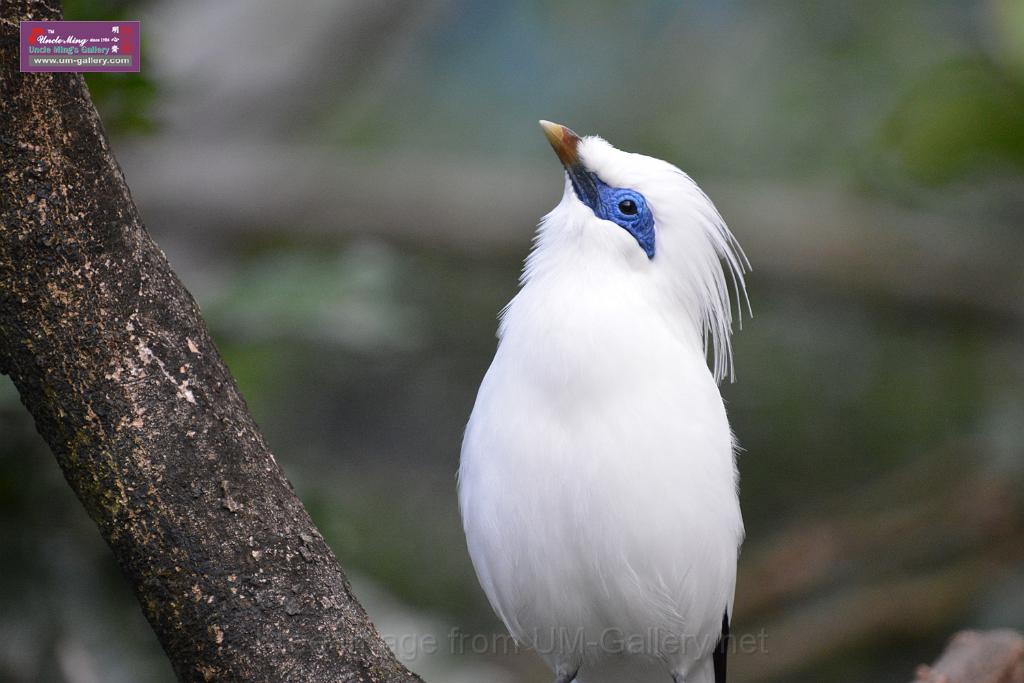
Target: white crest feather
(717, 318)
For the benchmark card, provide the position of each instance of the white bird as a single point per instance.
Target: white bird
(598, 480)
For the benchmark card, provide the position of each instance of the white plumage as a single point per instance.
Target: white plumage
(598, 485)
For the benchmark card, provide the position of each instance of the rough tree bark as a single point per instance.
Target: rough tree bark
(112, 359)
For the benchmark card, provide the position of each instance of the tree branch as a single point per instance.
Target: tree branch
(978, 657)
(111, 357)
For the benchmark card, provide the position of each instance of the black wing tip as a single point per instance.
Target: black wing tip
(718, 657)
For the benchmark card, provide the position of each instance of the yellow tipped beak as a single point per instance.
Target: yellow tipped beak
(563, 141)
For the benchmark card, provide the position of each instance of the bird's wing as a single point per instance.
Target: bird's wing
(721, 650)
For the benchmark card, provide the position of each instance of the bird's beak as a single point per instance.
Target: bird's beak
(566, 146)
(563, 141)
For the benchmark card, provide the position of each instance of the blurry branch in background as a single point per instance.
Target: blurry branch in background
(111, 357)
(234, 191)
(282, 86)
(978, 657)
(957, 529)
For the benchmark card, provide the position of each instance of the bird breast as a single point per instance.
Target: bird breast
(597, 484)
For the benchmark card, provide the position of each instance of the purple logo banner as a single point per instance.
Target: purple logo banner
(80, 46)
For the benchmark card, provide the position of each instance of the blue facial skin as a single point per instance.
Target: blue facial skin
(626, 208)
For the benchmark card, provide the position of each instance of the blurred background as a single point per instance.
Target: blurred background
(348, 188)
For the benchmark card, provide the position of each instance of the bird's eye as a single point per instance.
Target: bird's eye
(628, 207)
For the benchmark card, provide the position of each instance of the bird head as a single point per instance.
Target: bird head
(645, 224)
